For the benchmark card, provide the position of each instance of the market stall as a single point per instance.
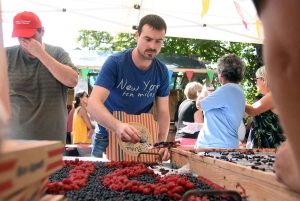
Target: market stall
(206, 171)
(28, 169)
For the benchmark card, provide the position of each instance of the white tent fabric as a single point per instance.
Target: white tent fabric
(183, 17)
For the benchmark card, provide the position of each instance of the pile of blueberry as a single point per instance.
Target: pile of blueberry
(256, 160)
(91, 181)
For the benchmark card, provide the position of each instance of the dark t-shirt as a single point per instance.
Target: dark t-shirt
(132, 90)
(186, 113)
(38, 100)
(176, 112)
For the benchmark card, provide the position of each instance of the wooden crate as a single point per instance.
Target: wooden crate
(32, 192)
(53, 198)
(24, 162)
(253, 184)
(118, 150)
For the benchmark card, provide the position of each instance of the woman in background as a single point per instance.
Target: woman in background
(265, 131)
(81, 121)
(188, 112)
(224, 108)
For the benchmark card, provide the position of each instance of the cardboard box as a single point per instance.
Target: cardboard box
(24, 162)
(53, 198)
(32, 192)
(118, 150)
(250, 183)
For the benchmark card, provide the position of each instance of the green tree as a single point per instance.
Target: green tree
(95, 40)
(124, 41)
(209, 50)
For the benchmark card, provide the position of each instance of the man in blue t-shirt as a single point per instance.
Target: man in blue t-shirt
(130, 81)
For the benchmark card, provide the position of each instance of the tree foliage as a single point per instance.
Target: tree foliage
(95, 40)
(208, 50)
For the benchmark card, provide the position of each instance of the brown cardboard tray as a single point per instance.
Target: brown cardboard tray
(23, 162)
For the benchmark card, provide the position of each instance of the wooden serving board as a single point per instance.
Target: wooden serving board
(119, 151)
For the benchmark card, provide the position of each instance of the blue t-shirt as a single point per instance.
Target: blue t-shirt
(223, 111)
(132, 90)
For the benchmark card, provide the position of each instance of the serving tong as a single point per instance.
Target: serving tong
(146, 144)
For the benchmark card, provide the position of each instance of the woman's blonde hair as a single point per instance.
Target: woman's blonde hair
(261, 72)
(191, 89)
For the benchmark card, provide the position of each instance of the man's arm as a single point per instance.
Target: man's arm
(163, 117)
(61, 72)
(100, 114)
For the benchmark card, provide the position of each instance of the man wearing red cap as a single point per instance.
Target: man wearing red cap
(39, 77)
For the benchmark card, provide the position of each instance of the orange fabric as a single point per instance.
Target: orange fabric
(80, 129)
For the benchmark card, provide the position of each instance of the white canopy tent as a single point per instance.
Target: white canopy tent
(228, 20)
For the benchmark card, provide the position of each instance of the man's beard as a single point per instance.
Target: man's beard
(145, 54)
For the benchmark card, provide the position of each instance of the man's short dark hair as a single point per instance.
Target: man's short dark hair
(154, 21)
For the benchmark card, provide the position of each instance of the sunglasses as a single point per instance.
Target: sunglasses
(84, 95)
(257, 78)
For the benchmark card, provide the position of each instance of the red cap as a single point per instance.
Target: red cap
(26, 24)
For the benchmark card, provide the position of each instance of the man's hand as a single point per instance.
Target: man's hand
(127, 133)
(191, 127)
(286, 168)
(32, 46)
(164, 152)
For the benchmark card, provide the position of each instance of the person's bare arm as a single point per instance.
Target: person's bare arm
(204, 93)
(102, 116)
(264, 104)
(63, 73)
(281, 54)
(198, 117)
(83, 114)
(163, 119)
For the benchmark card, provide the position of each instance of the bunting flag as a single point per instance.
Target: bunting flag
(170, 74)
(85, 72)
(258, 27)
(210, 74)
(239, 10)
(245, 24)
(205, 7)
(189, 74)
